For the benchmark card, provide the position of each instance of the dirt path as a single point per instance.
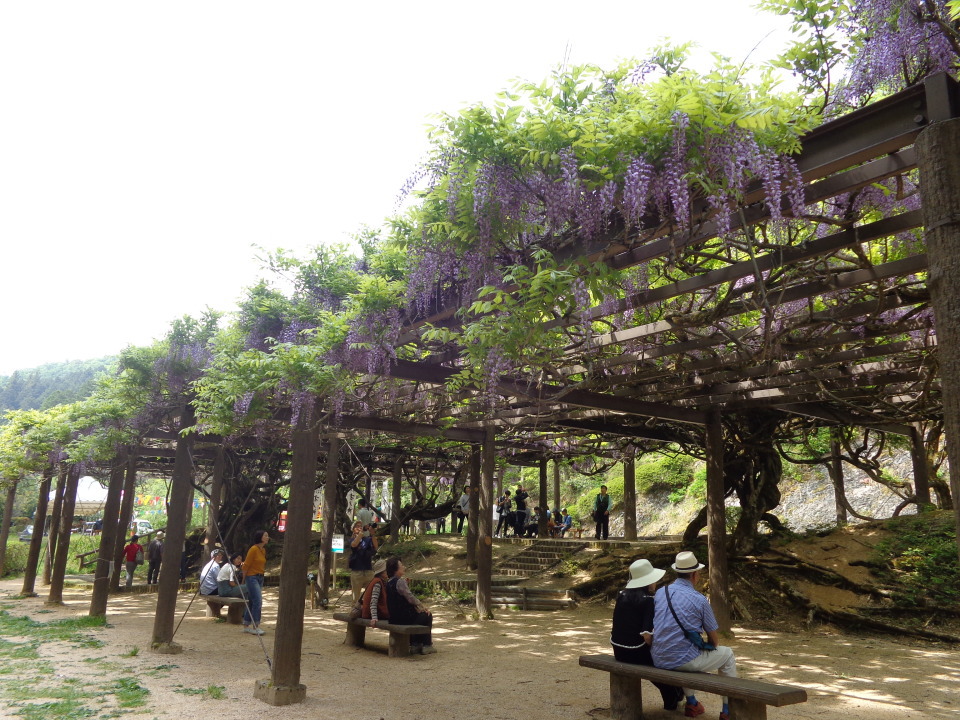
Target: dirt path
(520, 666)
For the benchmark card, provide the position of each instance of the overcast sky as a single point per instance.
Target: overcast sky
(147, 148)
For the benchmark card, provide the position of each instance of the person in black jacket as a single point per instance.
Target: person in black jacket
(633, 629)
(406, 609)
(520, 502)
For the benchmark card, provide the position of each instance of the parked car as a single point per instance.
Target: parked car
(141, 527)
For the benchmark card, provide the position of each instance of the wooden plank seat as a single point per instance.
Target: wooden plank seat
(235, 607)
(399, 634)
(748, 698)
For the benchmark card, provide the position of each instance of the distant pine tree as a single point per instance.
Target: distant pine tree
(51, 384)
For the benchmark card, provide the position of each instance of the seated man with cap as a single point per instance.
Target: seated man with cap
(375, 596)
(680, 608)
(633, 626)
(208, 576)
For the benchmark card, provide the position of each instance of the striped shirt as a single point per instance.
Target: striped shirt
(670, 648)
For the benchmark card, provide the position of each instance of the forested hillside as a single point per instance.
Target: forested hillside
(51, 384)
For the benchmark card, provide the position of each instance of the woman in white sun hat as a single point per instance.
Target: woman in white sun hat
(633, 627)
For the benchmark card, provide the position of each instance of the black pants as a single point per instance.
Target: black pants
(153, 572)
(671, 694)
(457, 524)
(603, 527)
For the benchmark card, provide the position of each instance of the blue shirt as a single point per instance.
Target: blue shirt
(670, 648)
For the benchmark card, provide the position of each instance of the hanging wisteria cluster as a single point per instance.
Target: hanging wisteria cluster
(904, 41)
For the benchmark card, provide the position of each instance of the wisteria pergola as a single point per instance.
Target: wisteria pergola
(834, 330)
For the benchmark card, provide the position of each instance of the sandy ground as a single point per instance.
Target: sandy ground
(522, 665)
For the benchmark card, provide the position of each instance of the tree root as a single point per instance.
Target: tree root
(832, 577)
(850, 620)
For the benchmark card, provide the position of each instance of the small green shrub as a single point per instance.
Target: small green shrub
(921, 557)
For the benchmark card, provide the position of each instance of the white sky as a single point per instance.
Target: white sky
(145, 148)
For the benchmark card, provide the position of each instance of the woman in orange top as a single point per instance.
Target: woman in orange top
(253, 567)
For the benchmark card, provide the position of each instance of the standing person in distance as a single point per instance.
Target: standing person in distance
(130, 555)
(154, 556)
(520, 502)
(462, 510)
(601, 513)
(363, 546)
(504, 507)
(254, 565)
(365, 515)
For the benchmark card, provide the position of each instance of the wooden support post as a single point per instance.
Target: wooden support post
(59, 568)
(630, 497)
(216, 497)
(36, 542)
(288, 645)
(835, 470)
(544, 504)
(330, 491)
(126, 515)
(7, 521)
(485, 541)
(556, 484)
(716, 524)
(55, 523)
(395, 488)
(626, 698)
(181, 487)
(106, 552)
(356, 635)
(921, 470)
(938, 148)
(742, 709)
(399, 645)
(473, 519)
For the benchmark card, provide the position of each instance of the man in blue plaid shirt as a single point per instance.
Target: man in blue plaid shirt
(671, 648)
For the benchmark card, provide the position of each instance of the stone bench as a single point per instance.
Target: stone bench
(399, 634)
(748, 698)
(235, 607)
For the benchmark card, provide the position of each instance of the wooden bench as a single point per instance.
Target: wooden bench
(399, 634)
(748, 698)
(235, 607)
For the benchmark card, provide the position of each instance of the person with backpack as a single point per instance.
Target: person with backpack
(601, 513)
(132, 556)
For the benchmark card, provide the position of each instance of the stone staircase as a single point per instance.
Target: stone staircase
(539, 557)
(523, 598)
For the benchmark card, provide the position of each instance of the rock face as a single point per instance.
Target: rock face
(805, 504)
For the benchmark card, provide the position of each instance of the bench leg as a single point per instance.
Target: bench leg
(626, 698)
(213, 610)
(235, 613)
(355, 635)
(399, 645)
(747, 710)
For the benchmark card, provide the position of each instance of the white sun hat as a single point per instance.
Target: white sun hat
(643, 574)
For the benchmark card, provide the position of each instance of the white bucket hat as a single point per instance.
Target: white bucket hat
(643, 574)
(687, 563)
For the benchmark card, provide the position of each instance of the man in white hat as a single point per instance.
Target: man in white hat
(633, 625)
(679, 608)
